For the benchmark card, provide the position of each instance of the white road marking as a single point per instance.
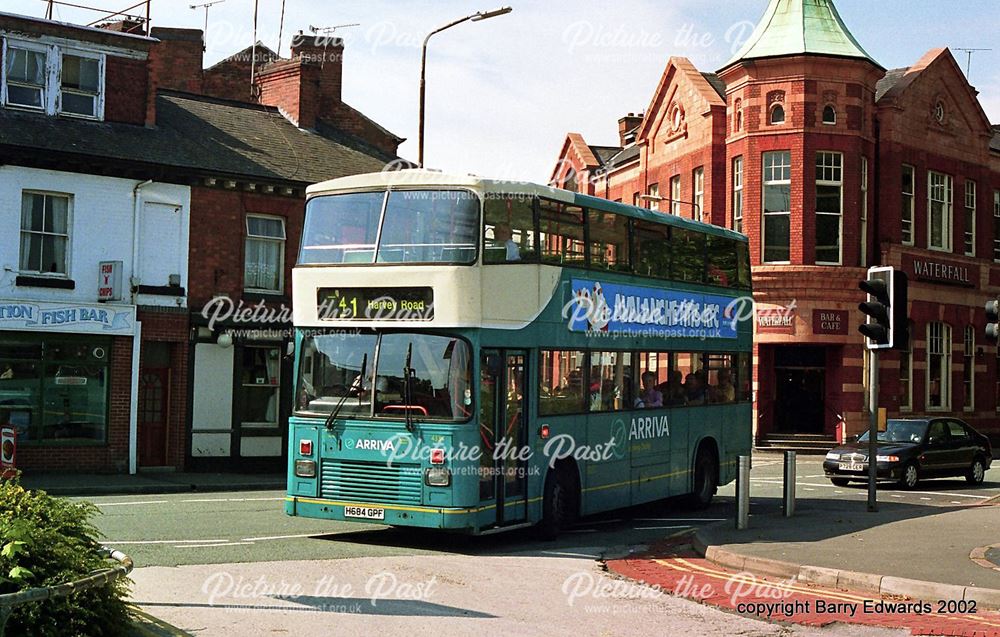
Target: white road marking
(568, 554)
(203, 546)
(657, 528)
(192, 500)
(160, 542)
(925, 498)
(679, 519)
(233, 500)
(121, 504)
(830, 486)
(283, 537)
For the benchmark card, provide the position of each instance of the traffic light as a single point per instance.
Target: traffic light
(887, 326)
(993, 320)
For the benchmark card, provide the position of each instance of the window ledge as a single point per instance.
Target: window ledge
(30, 281)
(160, 290)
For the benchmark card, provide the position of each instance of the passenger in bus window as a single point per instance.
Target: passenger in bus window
(725, 391)
(503, 237)
(651, 397)
(694, 389)
(673, 390)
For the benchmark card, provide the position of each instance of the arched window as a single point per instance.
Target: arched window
(778, 115)
(829, 115)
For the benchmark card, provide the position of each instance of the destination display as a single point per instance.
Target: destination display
(631, 309)
(375, 304)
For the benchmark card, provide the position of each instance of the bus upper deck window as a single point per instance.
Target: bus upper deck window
(509, 230)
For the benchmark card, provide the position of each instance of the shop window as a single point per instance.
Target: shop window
(265, 254)
(561, 383)
(509, 230)
(44, 233)
(260, 381)
(55, 391)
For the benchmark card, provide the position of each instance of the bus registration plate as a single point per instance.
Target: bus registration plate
(369, 513)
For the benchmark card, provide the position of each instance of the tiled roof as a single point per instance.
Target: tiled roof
(202, 135)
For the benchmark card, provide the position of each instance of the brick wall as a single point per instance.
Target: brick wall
(172, 328)
(218, 234)
(128, 90)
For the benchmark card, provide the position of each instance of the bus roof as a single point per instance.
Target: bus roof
(420, 178)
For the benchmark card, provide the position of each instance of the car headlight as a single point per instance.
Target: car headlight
(833, 455)
(886, 458)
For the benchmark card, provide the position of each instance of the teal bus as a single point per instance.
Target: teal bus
(478, 355)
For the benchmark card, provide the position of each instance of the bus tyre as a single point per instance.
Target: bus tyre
(557, 504)
(706, 470)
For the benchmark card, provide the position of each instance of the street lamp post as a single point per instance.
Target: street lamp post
(475, 17)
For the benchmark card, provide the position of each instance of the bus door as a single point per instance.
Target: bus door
(503, 434)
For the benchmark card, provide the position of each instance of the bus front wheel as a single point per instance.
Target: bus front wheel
(557, 504)
(705, 479)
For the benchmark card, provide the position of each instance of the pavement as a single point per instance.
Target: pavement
(91, 484)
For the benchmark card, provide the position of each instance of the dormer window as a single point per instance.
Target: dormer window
(777, 115)
(81, 84)
(25, 77)
(53, 79)
(829, 115)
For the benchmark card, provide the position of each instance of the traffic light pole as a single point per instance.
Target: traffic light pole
(872, 429)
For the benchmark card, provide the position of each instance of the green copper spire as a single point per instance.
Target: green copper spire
(796, 27)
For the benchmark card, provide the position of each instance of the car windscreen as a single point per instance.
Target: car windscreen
(900, 431)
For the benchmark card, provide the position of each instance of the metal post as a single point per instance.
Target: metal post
(873, 431)
(743, 494)
(789, 502)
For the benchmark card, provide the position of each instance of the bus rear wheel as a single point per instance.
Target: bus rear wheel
(558, 509)
(706, 470)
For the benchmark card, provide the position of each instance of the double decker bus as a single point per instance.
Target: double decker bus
(479, 355)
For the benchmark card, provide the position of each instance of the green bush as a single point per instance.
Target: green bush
(46, 541)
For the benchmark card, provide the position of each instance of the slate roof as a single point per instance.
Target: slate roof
(624, 156)
(717, 83)
(604, 153)
(885, 85)
(200, 135)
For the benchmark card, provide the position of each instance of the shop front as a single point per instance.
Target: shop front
(66, 384)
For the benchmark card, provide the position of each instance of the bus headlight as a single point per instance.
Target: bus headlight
(437, 477)
(305, 468)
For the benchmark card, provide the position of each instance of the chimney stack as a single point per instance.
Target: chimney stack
(327, 55)
(294, 87)
(626, 129)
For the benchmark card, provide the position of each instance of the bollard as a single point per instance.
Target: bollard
(789, 501)
(743, 494)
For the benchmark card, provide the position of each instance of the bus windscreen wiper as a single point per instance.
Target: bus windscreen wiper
(408, 387)
(360, 381)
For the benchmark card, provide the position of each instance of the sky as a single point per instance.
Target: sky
(502, 93)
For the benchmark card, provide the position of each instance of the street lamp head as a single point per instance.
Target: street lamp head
(485, 15)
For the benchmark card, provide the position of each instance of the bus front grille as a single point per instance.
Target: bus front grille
(371, 482)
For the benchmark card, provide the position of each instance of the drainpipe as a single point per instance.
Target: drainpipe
(133, 417)
(136, 227)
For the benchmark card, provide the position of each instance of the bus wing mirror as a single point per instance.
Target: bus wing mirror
(290, 349)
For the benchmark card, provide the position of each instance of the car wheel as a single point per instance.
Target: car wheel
(910, 476)
(977, 472)
(557, 504)
(840, 482)
(705, 472)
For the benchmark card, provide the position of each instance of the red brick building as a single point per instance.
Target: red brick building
(119, 147)
(830, 164)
